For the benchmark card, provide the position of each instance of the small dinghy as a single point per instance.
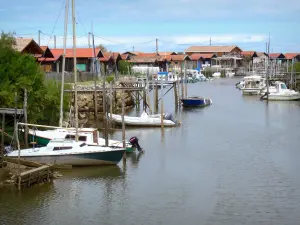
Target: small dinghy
(146, 120)
(196, 102)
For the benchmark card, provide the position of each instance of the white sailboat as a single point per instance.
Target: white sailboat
(71, 152)
(280, 92)
(44, 136)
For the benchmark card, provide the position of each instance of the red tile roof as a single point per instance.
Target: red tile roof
(54, 59)
(109, 56)
(147, 54)
(211, 48)
(167, 53)
(291, 55)
(80, 52)
(180, 57)
(196, 56)
(248, 53)
(276, 55)
(125, 56)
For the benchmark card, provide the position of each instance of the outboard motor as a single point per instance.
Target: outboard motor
(135, 142)
(169, 116)
(7, 149)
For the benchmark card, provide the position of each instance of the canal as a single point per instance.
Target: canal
(235, 162)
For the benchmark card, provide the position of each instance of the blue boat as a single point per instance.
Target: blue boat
(195, 102)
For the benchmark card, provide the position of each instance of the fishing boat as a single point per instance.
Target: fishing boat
(280, 92)
(145, 120)
(195, 101)
(253, 85)
(88, 135)
(70, 152)
(241, 84)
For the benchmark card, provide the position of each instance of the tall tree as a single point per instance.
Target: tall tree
(102, 47)
(21, 71)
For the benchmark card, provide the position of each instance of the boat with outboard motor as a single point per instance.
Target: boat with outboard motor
(71, 152)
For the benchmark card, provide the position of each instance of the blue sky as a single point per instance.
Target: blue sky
(121, 24)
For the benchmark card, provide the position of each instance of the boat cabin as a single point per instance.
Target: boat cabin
(255, 82)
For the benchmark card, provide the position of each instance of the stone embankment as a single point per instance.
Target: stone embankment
(85, 102)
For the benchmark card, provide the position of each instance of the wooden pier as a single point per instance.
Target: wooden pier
(34, 176)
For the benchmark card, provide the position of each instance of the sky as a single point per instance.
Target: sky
(127, 25)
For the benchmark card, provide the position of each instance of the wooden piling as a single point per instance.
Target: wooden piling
(104, 113)
(182, 86)
(123, 126)
(175, 94)
(144, 99)
(25, 119)
(156, 97)
(110, 104)
(95, 108)
(162, 105)
(2, 139)
(185, 80)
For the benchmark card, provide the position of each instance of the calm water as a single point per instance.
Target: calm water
(235, 162)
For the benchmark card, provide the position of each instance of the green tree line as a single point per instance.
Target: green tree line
(20, 71)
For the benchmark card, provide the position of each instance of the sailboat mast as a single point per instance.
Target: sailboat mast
(61, 113)
(75, 69)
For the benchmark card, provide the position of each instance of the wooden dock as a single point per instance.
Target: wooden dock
(34, 176)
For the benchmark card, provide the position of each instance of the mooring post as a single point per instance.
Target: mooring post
(25, 119)
(185, 80)
(182, 86)
(2, 139)
(137, 99)
(162, 105)
(110, 104)
(156, 97)
(123, 126)
(144, 99)
(175, 94)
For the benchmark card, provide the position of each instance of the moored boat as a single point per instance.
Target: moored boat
(195, 102)
(145, 120)
(88, 135)
(280, 92)
(70, 152)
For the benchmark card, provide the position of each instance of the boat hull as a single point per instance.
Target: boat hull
(82, 159)
(282, 97)
(196, 102)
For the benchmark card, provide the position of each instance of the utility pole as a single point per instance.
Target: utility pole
(89, 40)
(54, 41)
(39, 37)
(156, 46)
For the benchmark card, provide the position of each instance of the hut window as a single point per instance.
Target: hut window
(82, 138)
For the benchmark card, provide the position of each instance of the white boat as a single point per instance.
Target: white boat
(241, 84)
(70, 152)
(216, 74)
(144, 120)
(88, 135)
(253, 85)
(280, 92)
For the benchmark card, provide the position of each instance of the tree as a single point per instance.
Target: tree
(102, 47)
(21, 71)
(124, 67)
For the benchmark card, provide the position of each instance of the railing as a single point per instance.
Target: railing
(69, 77)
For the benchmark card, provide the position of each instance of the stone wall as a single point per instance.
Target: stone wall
(85, 102)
